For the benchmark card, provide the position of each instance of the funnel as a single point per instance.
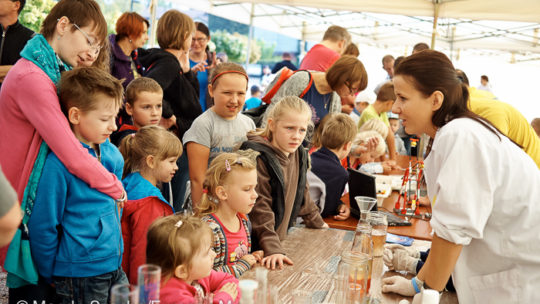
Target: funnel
(365, 204)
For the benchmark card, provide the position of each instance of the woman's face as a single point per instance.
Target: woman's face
(77, 44)
(199, 42)
(140, 41)
(413, 107)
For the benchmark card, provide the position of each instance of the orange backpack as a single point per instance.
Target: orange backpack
(284, 74)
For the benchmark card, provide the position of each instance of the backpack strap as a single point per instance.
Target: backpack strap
(308, 86)
(283, 75)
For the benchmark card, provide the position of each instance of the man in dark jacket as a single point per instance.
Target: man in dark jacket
(14, 35)
(285, 63)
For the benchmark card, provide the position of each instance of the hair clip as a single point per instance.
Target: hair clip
(227, 165)
(178, 224)
(204, 190)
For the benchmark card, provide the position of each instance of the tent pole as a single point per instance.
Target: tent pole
(153, 8)
(250, 37)
(436, 7)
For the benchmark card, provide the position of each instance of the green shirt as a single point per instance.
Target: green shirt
(370, 113)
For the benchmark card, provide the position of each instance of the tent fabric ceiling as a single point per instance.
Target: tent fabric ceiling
(516, 10)
(462, 24)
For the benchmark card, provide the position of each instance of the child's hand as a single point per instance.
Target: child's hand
(277, 259)
(344, 213)
(251, 259)
(230, 289)
(259, 255)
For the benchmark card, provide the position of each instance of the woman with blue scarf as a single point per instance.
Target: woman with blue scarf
(31, 121)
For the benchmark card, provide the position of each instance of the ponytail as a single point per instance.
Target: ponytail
(126, 148)
(149, 140)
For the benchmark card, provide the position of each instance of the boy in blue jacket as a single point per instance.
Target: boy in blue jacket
(75, 233)
(327, 178)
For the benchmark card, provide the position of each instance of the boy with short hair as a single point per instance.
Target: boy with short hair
(385, 101)
(255, 99)
(327, 178)
(144, 103)
(74, 230)
(393, 119)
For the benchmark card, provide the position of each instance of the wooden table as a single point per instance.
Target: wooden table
(316, 254)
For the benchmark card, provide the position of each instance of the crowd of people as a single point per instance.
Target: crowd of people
(120, 156)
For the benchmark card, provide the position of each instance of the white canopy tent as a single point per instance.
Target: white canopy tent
(461, 24)
(481, 36)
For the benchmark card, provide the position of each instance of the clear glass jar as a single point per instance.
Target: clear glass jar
(353, 277)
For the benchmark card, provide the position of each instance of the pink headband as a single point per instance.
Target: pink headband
(227, 72)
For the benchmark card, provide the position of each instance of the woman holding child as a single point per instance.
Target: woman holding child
(483, 188)
(31, 120)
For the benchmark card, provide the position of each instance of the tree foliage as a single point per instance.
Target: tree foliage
(235, 46)
(34, 13)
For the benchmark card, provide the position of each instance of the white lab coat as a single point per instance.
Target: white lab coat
(486, 195)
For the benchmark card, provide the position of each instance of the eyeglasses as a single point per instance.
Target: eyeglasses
(352, 90)
(200, 40)
(93, 45)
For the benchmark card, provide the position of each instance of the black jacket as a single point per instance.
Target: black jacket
(180, 90)
(12, 42)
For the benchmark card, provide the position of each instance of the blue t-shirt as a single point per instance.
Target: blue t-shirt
(318, 103)
(251, 103)
(202, 77)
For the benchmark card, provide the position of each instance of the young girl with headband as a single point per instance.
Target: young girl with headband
(281, 179)
(228, 195)
(150, 159)
(221, 127)
(182, 247)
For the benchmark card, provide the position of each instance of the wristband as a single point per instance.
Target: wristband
(122, 199)
(415, 284)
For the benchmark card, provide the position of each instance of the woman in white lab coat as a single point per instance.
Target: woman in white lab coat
(484, 189)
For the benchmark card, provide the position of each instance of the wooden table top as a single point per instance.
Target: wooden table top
(316, 254)
(420, 229)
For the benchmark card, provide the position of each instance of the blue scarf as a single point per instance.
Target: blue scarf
(40, 52)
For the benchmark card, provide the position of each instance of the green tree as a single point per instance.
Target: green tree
(34, 13)
(235, 46)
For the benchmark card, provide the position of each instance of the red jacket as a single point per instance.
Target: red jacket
(144, 206)
(176, 291)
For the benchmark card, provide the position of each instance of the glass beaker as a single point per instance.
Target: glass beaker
(379, 225)
(125, 294)
(353, 277)
(149, 279)
(363, 243)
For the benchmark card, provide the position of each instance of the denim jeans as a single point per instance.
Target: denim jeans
(89, 290)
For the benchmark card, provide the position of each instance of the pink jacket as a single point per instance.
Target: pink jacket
(176, 291)
(29, 113)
